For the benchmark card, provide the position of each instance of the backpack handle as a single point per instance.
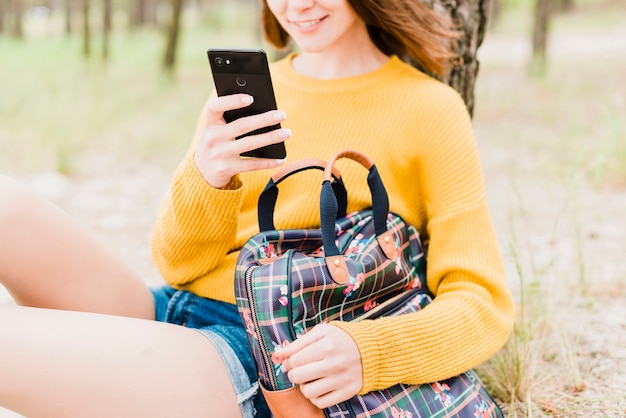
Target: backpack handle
(329, 206)
(267, 198)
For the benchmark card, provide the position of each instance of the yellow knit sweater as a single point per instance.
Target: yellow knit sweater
(418, 132)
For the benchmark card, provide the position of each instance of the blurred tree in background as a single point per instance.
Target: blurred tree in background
(172, 35)
(106, 28)
(86, 29)
(543, 12)
(16, 10)
(2, 7)
(67, 16)
(142, 12)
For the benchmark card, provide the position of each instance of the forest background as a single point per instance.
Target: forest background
(96, 116)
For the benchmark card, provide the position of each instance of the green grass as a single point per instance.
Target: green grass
(59, 106)
(516, 17)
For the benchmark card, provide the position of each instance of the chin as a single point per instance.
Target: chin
(312, 49)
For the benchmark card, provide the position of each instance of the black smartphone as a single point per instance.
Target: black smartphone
(246, 71)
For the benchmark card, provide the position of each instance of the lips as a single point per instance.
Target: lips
(306, 24)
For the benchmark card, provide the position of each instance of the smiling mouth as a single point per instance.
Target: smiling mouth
(307, 23)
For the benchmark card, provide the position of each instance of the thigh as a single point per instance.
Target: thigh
(220, 323)
(75, 364)
(49, 260)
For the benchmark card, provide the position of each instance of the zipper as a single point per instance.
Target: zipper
(388, 307)
(292, 332)
(267, 359)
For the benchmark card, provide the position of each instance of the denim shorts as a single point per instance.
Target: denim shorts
(221, 324)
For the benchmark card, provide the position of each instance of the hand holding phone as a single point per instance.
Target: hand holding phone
(247, 71)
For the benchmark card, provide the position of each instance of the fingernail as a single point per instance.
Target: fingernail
(284, 133)
(281, 161)
(247, 99)
(283, 368)
(280, 115)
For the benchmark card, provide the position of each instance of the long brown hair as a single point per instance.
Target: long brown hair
(407, 28)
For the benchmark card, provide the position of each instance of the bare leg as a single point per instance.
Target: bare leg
(73, 364)
(63, 363)
(49, 260)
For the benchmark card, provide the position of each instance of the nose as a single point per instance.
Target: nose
(301, 4)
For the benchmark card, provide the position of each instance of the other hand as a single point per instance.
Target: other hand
(326, 363)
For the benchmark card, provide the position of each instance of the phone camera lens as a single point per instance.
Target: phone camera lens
(219, 61)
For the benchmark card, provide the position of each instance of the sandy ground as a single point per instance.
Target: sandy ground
(560, 233)
(120, 209)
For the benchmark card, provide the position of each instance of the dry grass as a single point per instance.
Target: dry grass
(554, 152)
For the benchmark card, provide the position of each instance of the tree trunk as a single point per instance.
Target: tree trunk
(2, 11)
(470, 17)
(173, 31)
(565, 6)
(543, 12)
(137, 13)
(151, 12)
(18, 14)
(495, 10)
(68, 17)
(106, 28)
(86, 30)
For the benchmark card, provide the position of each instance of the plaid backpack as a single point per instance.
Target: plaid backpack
(364, 265)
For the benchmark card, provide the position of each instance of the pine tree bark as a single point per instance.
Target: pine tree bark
(470, 18)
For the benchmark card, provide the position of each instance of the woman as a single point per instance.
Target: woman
(346, 88)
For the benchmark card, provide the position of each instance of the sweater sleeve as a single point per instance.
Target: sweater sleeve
(472, 313)
(197, 223)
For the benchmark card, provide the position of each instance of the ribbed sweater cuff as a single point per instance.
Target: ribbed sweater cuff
(196, 191)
